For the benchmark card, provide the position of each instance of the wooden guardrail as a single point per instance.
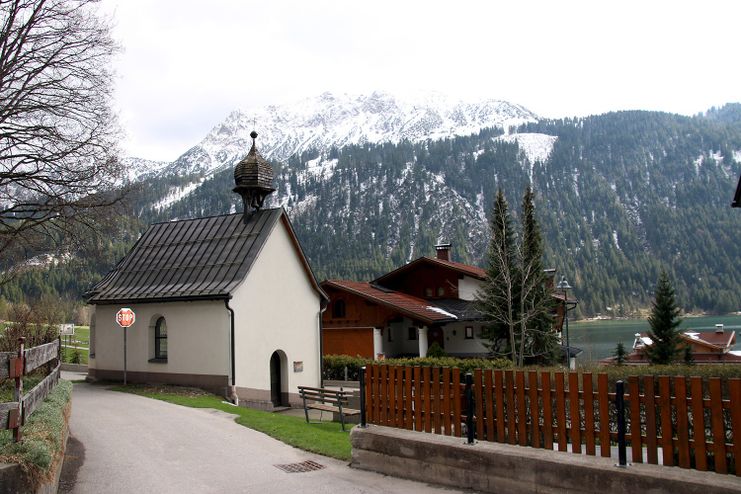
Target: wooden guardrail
(16, 365)
(681, 421)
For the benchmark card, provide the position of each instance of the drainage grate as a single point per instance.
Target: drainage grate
(304, 466)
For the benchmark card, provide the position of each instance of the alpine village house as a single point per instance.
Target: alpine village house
(228, 303)
(402, 313)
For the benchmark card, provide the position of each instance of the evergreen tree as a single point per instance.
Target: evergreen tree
(664, 322)
(496, 298)
(514, 299)
(538, 341)
(620, 354)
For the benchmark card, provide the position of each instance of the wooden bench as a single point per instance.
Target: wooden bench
(327, 400)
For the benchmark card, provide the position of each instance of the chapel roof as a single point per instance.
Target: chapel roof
(192, 259)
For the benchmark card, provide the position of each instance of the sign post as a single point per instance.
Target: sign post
(67, 330)
(125, 317)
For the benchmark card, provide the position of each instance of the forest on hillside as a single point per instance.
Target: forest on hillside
(621, 196)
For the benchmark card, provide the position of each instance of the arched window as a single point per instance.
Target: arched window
(338, 309)
(160, 339)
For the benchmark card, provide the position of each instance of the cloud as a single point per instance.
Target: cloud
(187, 64)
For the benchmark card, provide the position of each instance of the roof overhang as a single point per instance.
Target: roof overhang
(428, 261)
(379, 301)
(159, 300)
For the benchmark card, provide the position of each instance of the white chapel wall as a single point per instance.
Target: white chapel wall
(277, 308)
(197, 339)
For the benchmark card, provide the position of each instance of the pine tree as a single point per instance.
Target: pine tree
(620, 354)
(496, 298)
(514, 299)
(664, 322)
(538, 341)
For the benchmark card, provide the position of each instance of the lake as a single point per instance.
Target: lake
(598, 339)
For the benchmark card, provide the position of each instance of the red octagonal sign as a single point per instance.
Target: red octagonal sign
(125, 317)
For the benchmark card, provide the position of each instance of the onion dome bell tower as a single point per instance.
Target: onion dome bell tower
(253, 177)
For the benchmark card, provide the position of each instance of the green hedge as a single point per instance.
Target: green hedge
(333, 366)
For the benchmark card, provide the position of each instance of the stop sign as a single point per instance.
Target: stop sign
(125, 317)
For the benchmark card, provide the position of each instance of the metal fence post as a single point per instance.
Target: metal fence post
(361, 377)
(620, 404)
(469, 408)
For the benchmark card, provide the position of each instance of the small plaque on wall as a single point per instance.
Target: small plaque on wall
(298, 366)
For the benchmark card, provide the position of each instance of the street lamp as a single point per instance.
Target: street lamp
(565, 287)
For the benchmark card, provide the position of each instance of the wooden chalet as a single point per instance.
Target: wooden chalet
(429, 300)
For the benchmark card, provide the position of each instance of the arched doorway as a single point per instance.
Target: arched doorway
(276, 379)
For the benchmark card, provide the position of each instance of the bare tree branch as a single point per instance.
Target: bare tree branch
(58, 136)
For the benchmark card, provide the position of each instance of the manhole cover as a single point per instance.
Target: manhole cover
(304, 466)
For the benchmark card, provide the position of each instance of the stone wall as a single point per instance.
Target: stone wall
(493, 467)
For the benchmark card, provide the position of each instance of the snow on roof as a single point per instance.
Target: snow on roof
(441, 311)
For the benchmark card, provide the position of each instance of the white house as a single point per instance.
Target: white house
(228, 303)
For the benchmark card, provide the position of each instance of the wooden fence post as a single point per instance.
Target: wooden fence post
(18, 392)
(361, 376)
(469, 408)
(620, 404)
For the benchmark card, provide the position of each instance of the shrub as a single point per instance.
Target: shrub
(436, 351)
(333, 366)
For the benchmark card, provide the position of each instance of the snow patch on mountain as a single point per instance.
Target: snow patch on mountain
(537, 147)
(138, 169)
(330, 120)
(177, 193)
(319, 168)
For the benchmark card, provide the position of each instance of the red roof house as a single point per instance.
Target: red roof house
(426, 301)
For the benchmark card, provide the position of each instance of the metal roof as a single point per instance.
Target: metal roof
(195, 259)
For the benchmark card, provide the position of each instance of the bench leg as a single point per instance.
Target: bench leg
(306, 410)
(342, 418)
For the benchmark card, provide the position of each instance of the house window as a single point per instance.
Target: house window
(440, 291)
(469, 332)
(412, 333)
(338, 309)
(428, 292)
(160, 339)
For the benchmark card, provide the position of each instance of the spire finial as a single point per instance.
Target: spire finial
(253, 135)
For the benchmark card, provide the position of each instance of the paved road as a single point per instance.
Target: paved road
(124, 443)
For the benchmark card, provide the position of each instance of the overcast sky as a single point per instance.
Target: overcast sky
(187, 64)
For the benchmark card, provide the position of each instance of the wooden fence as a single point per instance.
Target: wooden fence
(669, 420)
(14, 366)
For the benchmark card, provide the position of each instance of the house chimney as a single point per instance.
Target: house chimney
(443, 251)
(719, 329)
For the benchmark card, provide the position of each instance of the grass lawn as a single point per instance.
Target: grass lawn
(325, 438)
(67, 355)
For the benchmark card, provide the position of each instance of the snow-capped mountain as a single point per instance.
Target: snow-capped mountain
(339, 120)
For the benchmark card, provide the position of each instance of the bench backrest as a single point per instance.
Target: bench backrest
(323, 395)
